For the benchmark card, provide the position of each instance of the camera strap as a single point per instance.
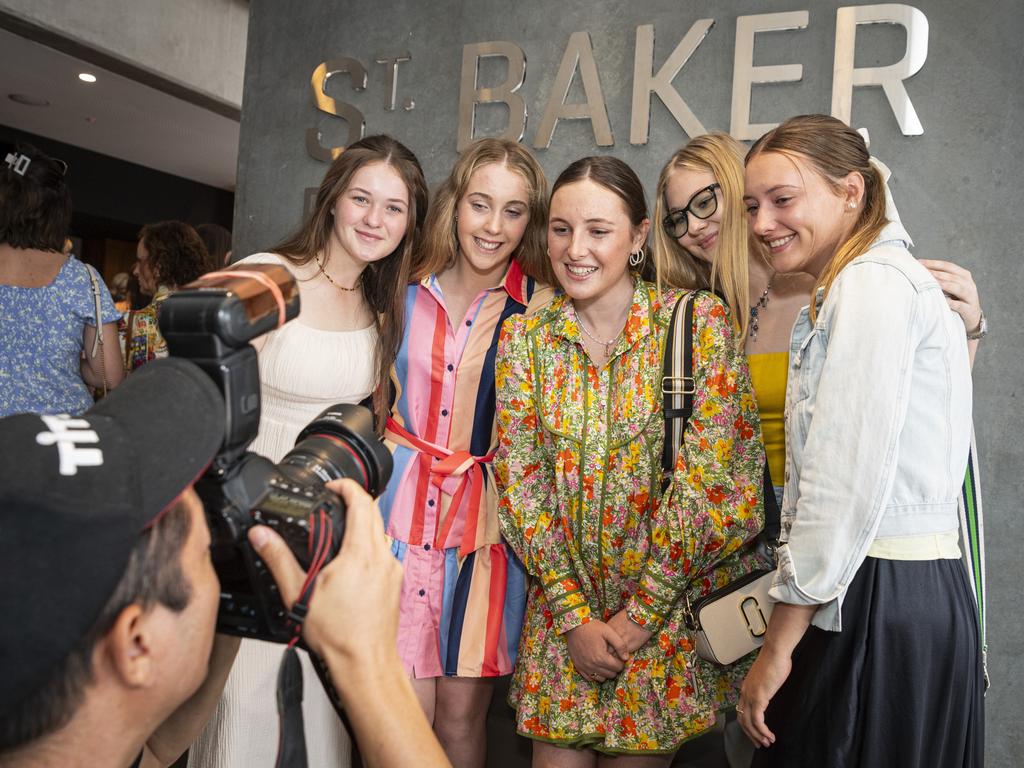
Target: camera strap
(291, 744)
(321, 535)
(291, 740)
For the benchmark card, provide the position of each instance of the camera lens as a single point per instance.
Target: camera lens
(340, 443)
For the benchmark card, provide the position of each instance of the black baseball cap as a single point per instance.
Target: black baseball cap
(75, 494)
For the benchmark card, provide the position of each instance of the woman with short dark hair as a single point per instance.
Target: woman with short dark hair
(50, 304)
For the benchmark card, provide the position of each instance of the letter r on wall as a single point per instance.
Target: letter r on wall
(845, 76)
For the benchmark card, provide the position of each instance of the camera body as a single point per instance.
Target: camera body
(211, 322)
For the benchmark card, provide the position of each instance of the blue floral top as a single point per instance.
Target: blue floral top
(41, 342)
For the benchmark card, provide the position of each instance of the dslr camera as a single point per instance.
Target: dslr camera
(211, 322)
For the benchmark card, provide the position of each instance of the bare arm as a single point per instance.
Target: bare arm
(353, 625)
(961, 294)
(179, 730)
(771, 668)
(108, 355)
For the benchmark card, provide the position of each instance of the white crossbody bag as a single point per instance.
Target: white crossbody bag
(730, 622)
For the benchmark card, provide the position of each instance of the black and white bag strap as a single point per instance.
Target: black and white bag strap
(677, 383)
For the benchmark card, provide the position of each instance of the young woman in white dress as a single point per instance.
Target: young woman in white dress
(351, 258)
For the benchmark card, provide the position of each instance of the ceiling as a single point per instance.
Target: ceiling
(114, 116)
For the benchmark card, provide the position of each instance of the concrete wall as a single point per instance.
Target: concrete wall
(951, 183)
(199, 44)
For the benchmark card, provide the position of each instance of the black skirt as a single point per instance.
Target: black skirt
(900, 686)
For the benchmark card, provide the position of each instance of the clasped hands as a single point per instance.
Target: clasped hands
(600, 650)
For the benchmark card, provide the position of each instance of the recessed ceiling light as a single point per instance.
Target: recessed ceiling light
(87, 77)
(27, 100)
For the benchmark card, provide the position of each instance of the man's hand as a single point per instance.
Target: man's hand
(352, 624)
(353, 612)
(596, 650)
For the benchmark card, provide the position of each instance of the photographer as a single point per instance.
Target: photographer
(110, 598)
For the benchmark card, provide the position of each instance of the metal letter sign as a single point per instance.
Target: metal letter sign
(506, 93)
(323, 102)
(845, 76)
(644, 84)
(579, 52)
(745, 74)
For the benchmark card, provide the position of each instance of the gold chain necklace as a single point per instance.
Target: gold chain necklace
(339, 287)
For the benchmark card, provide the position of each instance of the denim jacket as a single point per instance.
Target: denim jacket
(878, 423)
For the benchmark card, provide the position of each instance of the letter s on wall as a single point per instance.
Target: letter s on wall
(347, 112)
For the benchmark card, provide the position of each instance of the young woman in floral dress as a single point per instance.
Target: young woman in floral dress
(605, 665)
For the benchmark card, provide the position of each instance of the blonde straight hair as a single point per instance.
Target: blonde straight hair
(440, 247)
(833, 150)
(722, 156)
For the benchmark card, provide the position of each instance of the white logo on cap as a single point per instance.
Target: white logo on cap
(66, 433)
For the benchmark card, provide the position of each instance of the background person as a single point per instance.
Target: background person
(351, 258)
(605, 665)
(875, 614)
(217, 240)
(463, 595)
(169, 254)
(48, 310)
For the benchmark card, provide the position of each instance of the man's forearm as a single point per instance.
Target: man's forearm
(388, 721)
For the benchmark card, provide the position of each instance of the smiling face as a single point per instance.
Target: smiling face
(688, 188)
(800, 217)
(370, 216)
(492, 217)
(590, 238)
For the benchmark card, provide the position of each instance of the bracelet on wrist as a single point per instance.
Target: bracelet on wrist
(980, 331)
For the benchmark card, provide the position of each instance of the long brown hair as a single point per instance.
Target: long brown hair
(440, 246)
(383, 282)
(722, 156)
(617, 177)
(833, 150)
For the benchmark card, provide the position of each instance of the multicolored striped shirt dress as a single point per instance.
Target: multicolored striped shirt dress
(464, 593)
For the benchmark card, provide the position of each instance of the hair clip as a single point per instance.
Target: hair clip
(18, 163)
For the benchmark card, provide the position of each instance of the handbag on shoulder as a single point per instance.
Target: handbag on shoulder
(729, 622)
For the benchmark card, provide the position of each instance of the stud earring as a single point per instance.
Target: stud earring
(851, 205)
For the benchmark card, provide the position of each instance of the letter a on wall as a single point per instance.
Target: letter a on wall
(578, 53)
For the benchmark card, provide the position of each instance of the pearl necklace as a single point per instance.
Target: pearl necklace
(759, 306)
(608, 345)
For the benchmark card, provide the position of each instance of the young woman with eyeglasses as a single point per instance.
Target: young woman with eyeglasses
(704, 242)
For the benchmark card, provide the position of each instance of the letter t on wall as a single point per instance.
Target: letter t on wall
(745, 74)
(470, 95)
(845, 76)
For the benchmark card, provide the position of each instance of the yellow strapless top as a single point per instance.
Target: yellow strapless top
(768, 374)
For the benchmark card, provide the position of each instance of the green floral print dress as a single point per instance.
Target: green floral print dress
(578, 468)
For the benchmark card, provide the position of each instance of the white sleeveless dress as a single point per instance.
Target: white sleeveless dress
(303, 370)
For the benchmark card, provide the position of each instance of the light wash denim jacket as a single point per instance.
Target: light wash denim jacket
(878, 423)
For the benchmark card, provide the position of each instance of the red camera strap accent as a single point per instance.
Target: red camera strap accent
(263, 279)
(320, 537)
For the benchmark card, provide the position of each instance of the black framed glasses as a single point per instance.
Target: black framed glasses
(703, 204)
